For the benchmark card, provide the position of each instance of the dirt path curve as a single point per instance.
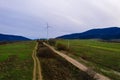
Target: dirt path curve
(37, 67)
(79, 65)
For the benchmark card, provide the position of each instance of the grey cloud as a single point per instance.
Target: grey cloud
(29, 17)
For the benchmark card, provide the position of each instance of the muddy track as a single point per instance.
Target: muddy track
(37, 68)
(79, 65)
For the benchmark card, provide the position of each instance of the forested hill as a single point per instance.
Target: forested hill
(103, 33)
(4, 37)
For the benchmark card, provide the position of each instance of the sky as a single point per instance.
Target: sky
(29, 18)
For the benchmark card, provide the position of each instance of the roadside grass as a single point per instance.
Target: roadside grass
(15, 61)
(100, 55)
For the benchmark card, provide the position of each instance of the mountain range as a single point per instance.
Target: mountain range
(4, 37)
(103, 33)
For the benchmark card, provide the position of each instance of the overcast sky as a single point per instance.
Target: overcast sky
(29, 17)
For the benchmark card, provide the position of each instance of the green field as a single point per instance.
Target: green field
(15, 61)
(103, 57)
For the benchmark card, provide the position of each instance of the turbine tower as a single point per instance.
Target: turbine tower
(48, 31)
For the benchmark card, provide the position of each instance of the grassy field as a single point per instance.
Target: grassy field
(15, 61)
(103, 57)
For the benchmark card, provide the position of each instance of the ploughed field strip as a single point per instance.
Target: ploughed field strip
(55, 67)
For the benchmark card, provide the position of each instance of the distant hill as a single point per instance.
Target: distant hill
(4, 37)
(103, 33)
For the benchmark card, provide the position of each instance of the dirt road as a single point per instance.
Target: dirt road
(80, 66)
(37, 68)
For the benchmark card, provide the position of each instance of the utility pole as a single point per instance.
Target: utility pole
(68, 43)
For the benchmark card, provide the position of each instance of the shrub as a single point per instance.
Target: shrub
(52, 42)
(45, 52)
(60, 46)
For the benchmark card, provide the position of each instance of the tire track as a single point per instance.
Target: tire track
(37, 67)
(34, 69)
